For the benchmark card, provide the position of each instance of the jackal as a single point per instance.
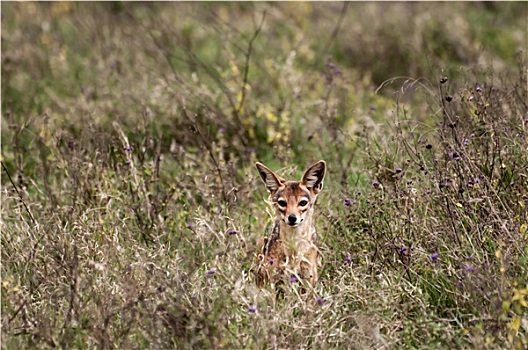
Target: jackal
(290, 249)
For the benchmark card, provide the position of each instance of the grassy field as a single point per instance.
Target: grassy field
(131, 206)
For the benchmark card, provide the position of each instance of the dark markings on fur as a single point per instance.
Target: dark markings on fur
(274, 237)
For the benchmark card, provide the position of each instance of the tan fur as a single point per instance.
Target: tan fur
(290, 248)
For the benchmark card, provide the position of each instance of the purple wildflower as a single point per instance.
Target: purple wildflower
(398, 170)
(478, 89)
(294, 279)
(221, 130)
(252, 309)
(232, 232)
(348, 259)
(127, 162)
(469, 268)
(471, 98)
(271, 261)
(210, 272)
(348, 202)
(376, 184)
(402, 250)
(320, 301)
(189, 225)
(372, 108)
(434, 257)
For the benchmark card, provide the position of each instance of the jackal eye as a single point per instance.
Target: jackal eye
(303, 202)
(282, 203)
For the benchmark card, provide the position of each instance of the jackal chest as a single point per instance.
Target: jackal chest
(289, 251)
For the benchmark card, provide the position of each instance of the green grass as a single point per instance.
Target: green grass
(129, 137)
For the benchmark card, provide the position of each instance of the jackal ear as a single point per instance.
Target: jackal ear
(314, 176)
(272, 181)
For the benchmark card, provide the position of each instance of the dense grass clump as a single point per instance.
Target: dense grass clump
(131, 207)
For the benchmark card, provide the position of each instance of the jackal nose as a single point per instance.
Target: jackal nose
(292, 219)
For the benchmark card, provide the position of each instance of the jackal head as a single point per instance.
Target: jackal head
(294, 200)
